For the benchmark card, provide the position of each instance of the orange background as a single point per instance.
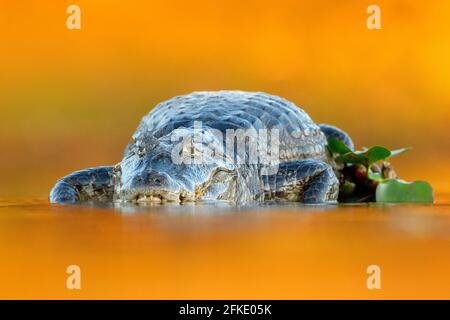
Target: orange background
(71, 99)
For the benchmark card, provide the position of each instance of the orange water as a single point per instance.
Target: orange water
(210, 251)
(71, 99)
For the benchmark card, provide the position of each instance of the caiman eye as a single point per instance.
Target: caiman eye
(116, 172)
(117, 169)
(141, 151)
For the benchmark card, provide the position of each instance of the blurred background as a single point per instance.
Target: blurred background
(71, 99)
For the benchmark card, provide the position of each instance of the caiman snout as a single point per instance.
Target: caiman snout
(151, 178)
(154, 186)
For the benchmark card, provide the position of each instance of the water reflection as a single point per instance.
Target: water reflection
(414, 220)
(217, 250)
(191, 208)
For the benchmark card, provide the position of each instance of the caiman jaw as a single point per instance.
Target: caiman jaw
(163, 197)
(159, 196)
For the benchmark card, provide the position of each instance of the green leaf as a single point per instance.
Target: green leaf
(394, 190)
(337, 146)
(366, 157)
(398, 151)
(352, 157)
(377, 153)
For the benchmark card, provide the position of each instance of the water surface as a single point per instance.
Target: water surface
(219, 251)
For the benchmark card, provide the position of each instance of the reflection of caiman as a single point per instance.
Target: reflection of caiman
(147, 172)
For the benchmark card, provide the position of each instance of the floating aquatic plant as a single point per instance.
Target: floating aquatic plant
(369, 170)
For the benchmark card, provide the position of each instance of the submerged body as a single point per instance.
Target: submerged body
(167, 161)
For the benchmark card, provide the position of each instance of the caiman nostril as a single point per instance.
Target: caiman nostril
(157, 178)
(150, 178)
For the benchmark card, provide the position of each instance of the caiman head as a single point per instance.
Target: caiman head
(178, 167)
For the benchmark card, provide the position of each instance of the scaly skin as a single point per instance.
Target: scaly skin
(147, 173)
